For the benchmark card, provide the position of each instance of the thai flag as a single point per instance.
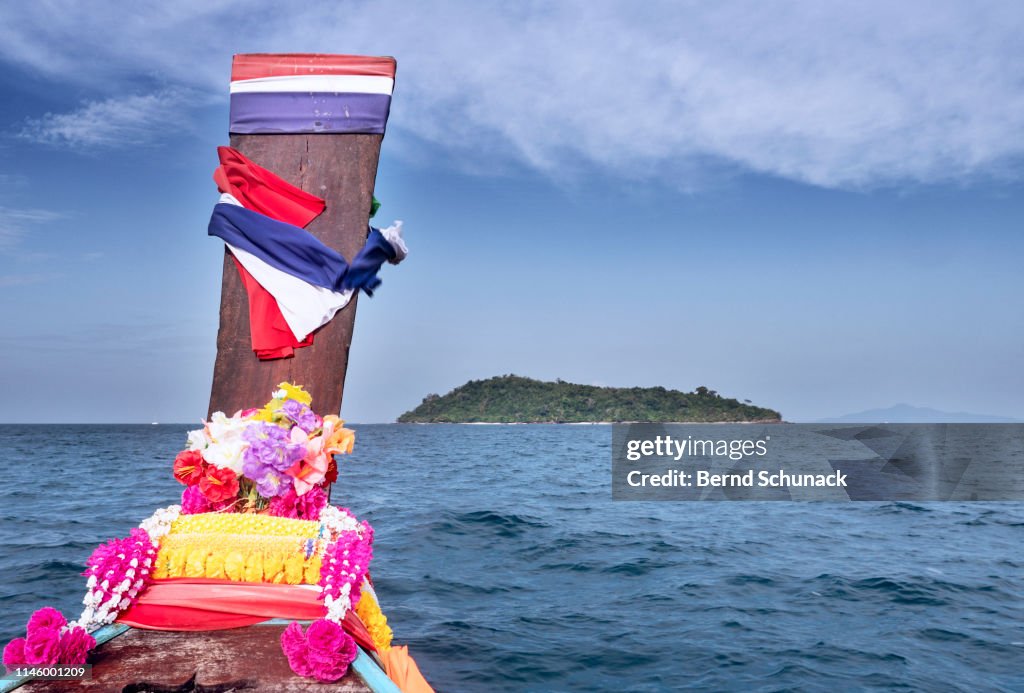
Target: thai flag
(289, 275)
(310, 92)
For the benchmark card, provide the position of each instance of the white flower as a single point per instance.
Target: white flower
(279, 394)
(197, 439)
(159, 523)
(227, 445)
(336, 521)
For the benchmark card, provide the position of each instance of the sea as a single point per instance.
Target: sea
(503, 562)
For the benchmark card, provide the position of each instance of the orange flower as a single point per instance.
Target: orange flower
(339, 440)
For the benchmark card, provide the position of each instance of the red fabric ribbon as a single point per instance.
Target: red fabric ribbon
(197, 604)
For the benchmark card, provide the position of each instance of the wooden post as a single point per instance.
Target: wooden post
(340, 168)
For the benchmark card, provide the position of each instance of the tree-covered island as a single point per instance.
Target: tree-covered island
(514, 399)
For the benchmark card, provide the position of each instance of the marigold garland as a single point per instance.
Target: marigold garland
(368, 611)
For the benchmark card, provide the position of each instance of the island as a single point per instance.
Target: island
(515, 399)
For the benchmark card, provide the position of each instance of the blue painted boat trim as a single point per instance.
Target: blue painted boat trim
(102, 635)
(373, 675)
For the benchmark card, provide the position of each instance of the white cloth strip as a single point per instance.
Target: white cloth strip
(305, 307)
(340, 84)
(393, 235)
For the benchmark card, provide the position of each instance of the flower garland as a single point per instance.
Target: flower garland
(117, 572)
(368, 611)
(345, 564)
(253, 480)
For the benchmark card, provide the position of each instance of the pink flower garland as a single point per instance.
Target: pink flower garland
(346, 562)
(117, 571)
(49, 640)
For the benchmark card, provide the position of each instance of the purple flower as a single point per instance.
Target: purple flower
(270, 481)
(270, 446)
(302, 415)
(273, 483)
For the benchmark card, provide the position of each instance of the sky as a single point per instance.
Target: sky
(814, 206)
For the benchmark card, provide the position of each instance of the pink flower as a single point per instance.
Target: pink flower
(74, 646)
(14, 653)
(311, 504)
(293, 644)
(331, 650)
(194, 502)
(285, 505)
(311, 470)
(323, 652)
(308, 507)
(47, 617)
(331, 666)
(42, 646)
(324, 636)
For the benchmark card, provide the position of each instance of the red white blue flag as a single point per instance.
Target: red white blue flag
(310, 92)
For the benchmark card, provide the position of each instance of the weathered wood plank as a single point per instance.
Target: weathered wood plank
(341, 169)
(242, 659)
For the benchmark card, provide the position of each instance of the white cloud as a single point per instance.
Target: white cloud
(9, 280)
(113, 122)
(833, 94)
(15, 223)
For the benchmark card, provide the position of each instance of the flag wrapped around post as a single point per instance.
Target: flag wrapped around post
(301, 92)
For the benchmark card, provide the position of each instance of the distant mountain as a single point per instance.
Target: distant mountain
(513, 399)
(905, 413)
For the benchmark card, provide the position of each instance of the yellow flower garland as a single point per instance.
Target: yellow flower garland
(245, 523)
(368, 611)
(241, 548)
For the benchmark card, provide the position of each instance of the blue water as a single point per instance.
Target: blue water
(501, 559)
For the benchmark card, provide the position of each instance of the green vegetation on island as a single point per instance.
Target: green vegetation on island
(514, 399)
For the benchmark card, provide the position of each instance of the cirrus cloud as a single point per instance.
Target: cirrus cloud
(843, 95)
